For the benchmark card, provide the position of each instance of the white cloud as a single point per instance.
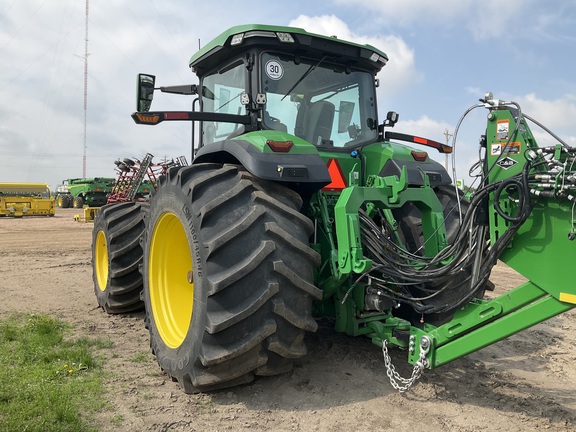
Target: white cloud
(485, 20)
(491, 19)
(466, 146)
(555, 114)
(400, 69)
(425, 127)
(406, 12)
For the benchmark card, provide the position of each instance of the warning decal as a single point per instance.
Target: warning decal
(511, 148)
(502, 129)
(496, 149)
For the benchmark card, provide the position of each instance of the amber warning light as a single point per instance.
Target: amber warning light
(141, 118)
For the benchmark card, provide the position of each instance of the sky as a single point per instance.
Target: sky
(444, 56)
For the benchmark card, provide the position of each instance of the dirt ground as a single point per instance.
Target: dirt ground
(525, 383)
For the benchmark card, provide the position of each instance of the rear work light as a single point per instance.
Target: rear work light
(237, 39)
(375, 57)
(283, 37)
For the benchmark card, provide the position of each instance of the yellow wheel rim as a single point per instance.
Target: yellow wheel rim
(101, 260)
(170, 282)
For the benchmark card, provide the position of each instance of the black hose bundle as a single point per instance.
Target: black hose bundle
(442, 283)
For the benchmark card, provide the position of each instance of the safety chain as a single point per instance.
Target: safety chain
(398, 382)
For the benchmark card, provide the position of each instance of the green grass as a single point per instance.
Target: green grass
(141, 357)
(48, 382)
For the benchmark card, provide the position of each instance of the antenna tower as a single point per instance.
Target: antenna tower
(85, 88)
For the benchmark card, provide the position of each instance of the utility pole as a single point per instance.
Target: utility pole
(85, 89)
(447, 134)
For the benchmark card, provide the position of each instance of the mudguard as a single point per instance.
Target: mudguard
(303, 171)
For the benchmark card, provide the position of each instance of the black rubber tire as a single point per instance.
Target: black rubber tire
(250, 301)
(64, 200)
(410, 228)
(410, 221)
(78, 202)
(117, 256)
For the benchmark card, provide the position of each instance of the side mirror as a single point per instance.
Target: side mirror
(345, 112)
(145, 92)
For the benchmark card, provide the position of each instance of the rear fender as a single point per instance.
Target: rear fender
(301, 168)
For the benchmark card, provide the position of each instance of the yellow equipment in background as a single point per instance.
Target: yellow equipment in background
(89, 214)
(26, 199)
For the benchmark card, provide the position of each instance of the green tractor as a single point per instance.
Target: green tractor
(302, 204)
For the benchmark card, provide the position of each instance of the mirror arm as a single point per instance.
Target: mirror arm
(188, 89)
(155, 117)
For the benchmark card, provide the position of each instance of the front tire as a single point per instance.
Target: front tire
(117, 255)
(228, 277)
(64, 201)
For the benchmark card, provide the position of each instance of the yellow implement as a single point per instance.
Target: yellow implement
(26, 199)
(89, 215)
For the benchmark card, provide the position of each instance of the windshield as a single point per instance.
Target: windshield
(318, 101)
(221, 93)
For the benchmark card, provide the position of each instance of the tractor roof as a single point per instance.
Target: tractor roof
(286, 39)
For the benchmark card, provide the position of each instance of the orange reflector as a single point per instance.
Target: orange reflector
(338, 182)
(280, 146)
(419, 156)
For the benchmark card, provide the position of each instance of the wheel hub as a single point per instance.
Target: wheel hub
(170, 280)
(101, 260)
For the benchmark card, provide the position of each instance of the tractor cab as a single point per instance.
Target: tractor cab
(314, 99)
(315, 88)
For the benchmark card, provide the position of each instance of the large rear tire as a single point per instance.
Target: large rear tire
(228, 276)
(117, 255)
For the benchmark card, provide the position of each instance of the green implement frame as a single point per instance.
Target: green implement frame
(481, 324)
(541, 250)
